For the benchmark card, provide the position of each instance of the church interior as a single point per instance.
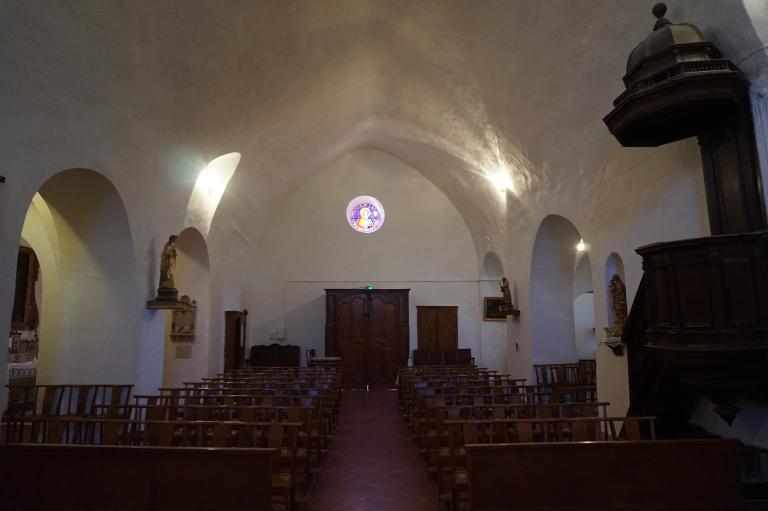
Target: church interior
(312, 255)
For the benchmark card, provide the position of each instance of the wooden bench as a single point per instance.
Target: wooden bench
(660, 475)
(118, 478)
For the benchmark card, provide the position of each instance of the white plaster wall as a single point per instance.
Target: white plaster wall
(584, 326)
(423, 245)
(612, 380)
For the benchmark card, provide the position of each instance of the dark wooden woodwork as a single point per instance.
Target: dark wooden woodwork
(369, 331)
(678, 85)
(437, 327)
(275, 355)
(442, 357)
(235, 328)
(706, 305)
(682, 475)
(25, 311)
(732, 174)
(95, 478)
(706, 309)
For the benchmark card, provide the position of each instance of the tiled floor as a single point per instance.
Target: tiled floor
(372, 463)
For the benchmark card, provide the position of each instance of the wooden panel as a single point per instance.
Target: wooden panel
(695, 295)
(437, 327)
(351, 337)
(741, 306)
(385, 349)
(369, 331)
(448, 328)
(426, 328)
(275, 355)
(682, 475)
(732, 176)
(95, 478)
(234, 339)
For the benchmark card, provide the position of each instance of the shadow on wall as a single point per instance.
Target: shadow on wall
(561, 294)
(78, 226)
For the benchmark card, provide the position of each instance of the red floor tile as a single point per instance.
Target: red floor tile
(372, 463)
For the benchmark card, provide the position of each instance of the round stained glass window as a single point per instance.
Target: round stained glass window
(365, 214)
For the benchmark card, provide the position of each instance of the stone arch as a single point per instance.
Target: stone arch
(560, 274)
(85, 249)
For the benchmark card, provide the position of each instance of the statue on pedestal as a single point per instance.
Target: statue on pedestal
(167, 289)
(506, 305)
(618, 294)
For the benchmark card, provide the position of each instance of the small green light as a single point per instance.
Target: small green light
(369, 287)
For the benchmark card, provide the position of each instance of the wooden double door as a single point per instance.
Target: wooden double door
(369, 331)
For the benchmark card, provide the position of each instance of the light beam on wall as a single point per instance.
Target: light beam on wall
(209, 189)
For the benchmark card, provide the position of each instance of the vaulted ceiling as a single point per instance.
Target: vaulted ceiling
(460, 90)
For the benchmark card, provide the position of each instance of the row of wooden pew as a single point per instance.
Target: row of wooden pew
(466, 421)
(289, 411)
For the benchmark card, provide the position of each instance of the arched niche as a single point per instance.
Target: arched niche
(613, 266)
(186, 359)
(493, 334)
(78, 228)
(560, 285)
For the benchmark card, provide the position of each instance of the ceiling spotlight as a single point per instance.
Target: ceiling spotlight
(502, 182)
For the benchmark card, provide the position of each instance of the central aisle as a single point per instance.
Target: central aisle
(372, 463)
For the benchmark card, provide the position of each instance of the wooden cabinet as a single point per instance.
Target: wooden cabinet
(438, 327)
(369, 331)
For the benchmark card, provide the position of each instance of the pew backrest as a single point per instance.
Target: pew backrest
(660, 475)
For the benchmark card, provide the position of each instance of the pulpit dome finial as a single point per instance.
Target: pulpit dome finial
(659, 10)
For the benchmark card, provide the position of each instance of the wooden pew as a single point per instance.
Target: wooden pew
(660, 475)
(118, 478)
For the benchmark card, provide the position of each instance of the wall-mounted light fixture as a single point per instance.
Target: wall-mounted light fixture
(581, 246)
(502, 182)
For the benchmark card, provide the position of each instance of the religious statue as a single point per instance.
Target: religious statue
(506, 304)
(618, 294)
(167, 290)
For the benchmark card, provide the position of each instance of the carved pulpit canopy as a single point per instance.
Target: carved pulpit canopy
(676, 83)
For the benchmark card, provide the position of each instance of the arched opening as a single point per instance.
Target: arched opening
(583, 307)
(493, 334)
(187, 333)
(616, 294)
(562, 304)
(87, 332)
